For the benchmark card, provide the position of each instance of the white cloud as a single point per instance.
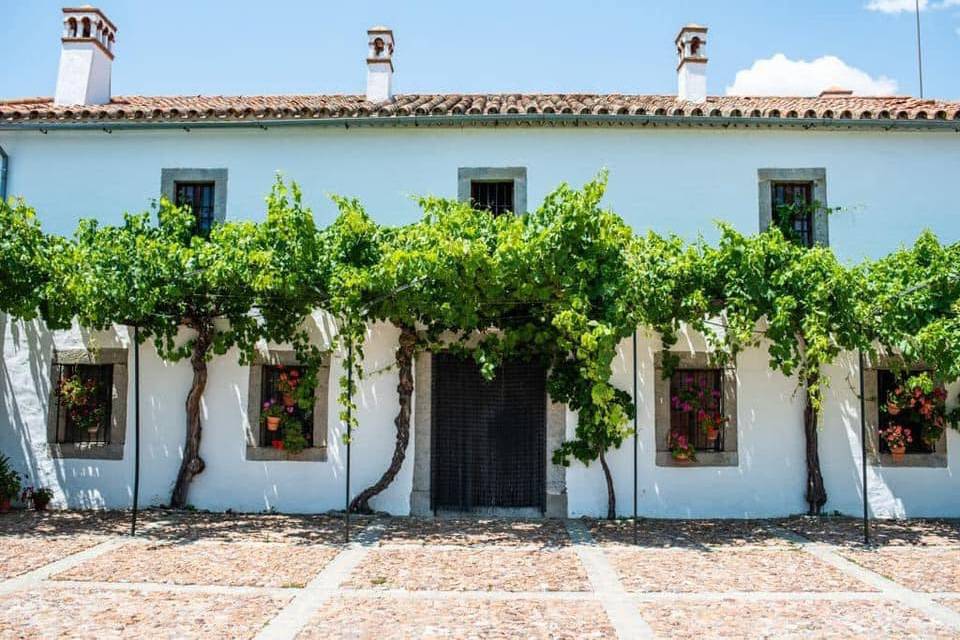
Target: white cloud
(895, 6)
(899, 6)
(781, 76)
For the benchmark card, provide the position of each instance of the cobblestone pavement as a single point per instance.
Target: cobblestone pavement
(199, 575)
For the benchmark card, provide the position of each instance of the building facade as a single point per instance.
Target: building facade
(676, 164)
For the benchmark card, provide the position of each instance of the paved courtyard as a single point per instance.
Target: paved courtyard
(195, 575)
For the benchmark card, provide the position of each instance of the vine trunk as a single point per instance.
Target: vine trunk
(407, 345)
(816, 493)
(611, 496)
(192, 464)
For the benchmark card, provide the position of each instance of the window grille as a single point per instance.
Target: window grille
(270, 391)
(887, 381)
(102, 376)
(798, 196)
(199, 197)
(495, 197)
(686, 422)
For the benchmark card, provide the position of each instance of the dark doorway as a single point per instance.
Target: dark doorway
(488, 439)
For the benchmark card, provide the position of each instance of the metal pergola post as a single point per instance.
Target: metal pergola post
(863, 454)
(136, 427)
(636, 422)
(346, 505)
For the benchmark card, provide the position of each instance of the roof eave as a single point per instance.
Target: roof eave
(460, 120)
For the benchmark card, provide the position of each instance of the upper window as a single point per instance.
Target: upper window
(199, 197)
(203, 190)
(793, 210)
(494, 189)
(495, 197)
(795, 200)
(282, 388)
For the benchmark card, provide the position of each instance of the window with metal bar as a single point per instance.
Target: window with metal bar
(493, 196)
(72, 426)
(270, 392)
(696, 408)
(795, 199)
(887, 381)
(199, 197)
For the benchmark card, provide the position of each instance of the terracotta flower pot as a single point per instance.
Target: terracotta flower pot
(4, 505)
(288, 400)
(277, 444)
(898, 453)
(892, 408)
(681, 457)
(92, 430)
(273, 423)
(712, 434)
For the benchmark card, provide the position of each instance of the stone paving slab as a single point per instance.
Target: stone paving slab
(51, 612)
(470, 570)
(952, 603)
(687, 533)
(64, 523)
(844, 531)
(790, 619)
(243, 527)
(733, 569)
(470, 532)
(919, 569)
(212, 563)
(401, 619)
(19, 554)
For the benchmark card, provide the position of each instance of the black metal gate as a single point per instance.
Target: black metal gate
(488, 439)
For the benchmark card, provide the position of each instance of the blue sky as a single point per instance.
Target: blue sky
(304, 46)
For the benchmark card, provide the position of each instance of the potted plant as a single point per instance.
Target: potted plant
(694, 398)
(287, 384)
(272, 414)
(293, 439)
(81, 399)
(920, 406)
(39, 497)
(897, 438)
(680, 448)
(9, 484)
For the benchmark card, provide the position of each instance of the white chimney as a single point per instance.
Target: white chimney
(692, 69)
(86, 56)
(380, 64)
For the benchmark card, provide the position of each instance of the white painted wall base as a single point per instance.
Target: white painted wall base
(769, 480)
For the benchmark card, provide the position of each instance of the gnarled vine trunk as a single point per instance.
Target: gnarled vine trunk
(611, 497)
(816, 493)
(407, 342)
(192, 464)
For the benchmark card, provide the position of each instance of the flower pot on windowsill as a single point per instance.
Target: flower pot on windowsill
(681, 458)
(273, 423)
(277, 444)
(92, 431)
(892, 408)
(712, 434)
(289, 400)
(898, 453)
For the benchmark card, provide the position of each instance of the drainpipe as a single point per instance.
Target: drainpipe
(4, 161)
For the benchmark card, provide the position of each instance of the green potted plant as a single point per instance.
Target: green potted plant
(81, 399)
(9, 484)
(39, 497)
(703, 403)
(680, 448)
(272, 414)
(293, 438)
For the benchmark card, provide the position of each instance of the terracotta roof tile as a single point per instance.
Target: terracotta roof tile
(229, 108)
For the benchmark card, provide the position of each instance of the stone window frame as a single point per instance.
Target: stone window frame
(730, 457)
(257, 451)
(170, 177)
(871, 386)
(468, 175)
(817, 177)
(115, 356)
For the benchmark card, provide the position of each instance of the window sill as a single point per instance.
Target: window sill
(704, 459)
(936, 460)
(269, 454)
(86, 451)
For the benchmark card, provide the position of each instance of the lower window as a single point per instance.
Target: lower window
(84, 401)
(696, 409)
(285, 392)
